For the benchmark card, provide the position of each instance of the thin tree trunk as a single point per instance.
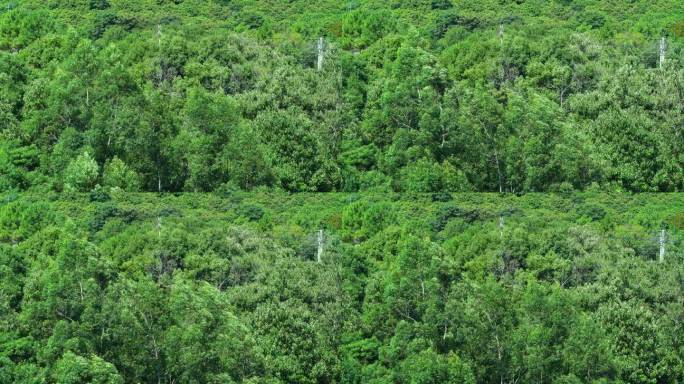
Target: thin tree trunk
(319, 254)
(321, 53)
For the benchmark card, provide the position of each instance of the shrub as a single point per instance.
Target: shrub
(81, 174)
(119, 175)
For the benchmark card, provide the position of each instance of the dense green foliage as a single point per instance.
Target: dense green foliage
(381, 101)
(414, 95)
(136, 288)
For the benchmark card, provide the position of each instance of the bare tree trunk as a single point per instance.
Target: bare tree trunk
(321, 53)
(321, 243)
(502, 70)
(496, 156)
(159, 35)
(498, 169)
(160, 75)
(445, 131)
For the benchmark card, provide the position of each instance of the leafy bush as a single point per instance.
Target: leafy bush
(251, 212)
(118, 175)
(82, 173)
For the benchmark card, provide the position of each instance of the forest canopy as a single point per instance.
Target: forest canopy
(407, 96)
(341, 288)
(496, 176)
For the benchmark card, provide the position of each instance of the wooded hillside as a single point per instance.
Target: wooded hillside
(475, 288)
(491, 168)
(410, 96)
